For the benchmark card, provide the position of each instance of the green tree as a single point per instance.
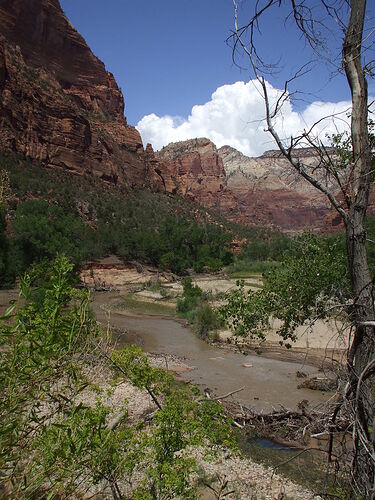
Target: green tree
(329, 28)
(42, 231)
(311, 282)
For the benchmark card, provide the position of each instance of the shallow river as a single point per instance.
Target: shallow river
(268, 383)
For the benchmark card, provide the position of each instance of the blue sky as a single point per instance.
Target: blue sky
(166, 55)
(172, 62)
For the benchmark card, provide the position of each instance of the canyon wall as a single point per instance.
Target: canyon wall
(197, 171)
(263, 191)
(59, 105)
(271, 193)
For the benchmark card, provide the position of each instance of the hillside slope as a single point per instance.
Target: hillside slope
(271, 193)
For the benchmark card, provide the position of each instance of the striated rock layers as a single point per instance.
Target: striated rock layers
(261, 191)
(271, 193)
(198, 172)
(59, 105)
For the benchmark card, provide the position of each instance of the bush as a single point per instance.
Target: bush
(313, 275)
(52, 445)
(192, 293)
(207, 322)
(196, 309)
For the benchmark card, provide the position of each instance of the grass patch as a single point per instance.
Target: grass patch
(249, 269)
(132, 304)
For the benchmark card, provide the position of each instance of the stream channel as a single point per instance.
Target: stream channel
(267, 383)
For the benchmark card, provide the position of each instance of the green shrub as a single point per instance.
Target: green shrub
(207, 322)
(195, 308)
(54, 446)
(191, 295)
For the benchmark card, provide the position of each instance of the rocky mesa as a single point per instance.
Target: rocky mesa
(60, 106)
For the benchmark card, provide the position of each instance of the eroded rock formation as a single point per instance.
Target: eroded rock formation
(59, 105)
(271, 193)
(198, 173)
(262, 191)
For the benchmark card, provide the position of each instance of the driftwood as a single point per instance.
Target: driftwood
(293, 425)
(319, 384)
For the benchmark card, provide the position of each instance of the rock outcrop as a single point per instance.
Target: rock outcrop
(60, 106)
(263, 191)
(196, 168)
(271, 193)
(197, 172)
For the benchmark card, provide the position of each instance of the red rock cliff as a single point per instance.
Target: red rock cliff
(262, 191)
(59, 105)
(197, 171)
(270, 193)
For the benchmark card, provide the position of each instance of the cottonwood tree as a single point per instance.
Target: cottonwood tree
(331, 27)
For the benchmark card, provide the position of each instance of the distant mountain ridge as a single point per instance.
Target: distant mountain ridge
(263, 191)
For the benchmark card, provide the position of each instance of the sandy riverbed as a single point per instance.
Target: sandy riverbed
(245, 476)
(319, 341)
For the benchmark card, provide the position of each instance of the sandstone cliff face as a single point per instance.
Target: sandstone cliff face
(59, 105)
(270, 192)
(261, 191)
(197, 171)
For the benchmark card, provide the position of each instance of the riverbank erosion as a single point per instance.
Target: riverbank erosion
(266, 382)
(144, 290)
(229, 471)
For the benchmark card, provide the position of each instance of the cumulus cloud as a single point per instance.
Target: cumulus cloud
(235, 116)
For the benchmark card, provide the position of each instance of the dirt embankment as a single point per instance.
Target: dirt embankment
(246, 478)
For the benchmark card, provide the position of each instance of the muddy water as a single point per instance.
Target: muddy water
(267, 382)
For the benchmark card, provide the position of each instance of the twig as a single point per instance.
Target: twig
(217, 398)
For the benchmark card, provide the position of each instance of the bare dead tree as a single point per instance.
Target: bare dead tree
(346, 184)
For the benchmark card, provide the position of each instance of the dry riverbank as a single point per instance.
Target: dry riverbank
(145, 291)
(247, 479)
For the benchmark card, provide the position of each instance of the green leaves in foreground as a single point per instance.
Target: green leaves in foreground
(39, 369)
(311, 282)
(57, 437)
(179, 422)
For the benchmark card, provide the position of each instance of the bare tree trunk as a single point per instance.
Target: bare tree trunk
(362, 350)
(361, 355)
(355, 190)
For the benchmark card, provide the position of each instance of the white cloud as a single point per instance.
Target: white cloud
(235, 116)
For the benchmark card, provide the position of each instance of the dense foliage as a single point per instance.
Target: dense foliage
(195, 307)
(83, 218)
(55, 440)
(310, 282)
(258, 255)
